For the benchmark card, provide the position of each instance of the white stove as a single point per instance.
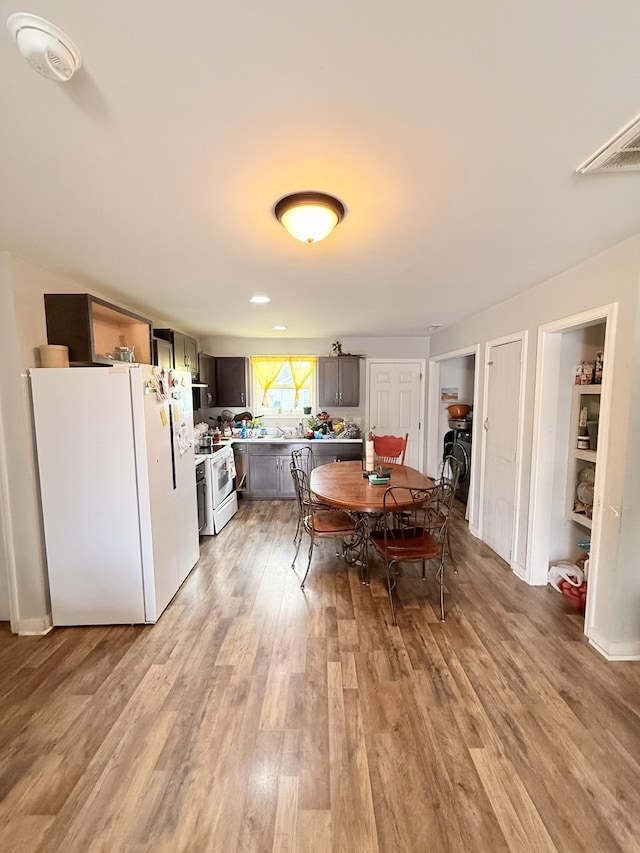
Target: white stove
(221, 499)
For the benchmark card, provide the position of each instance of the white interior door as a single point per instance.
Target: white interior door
(501, 446)
(396, 397)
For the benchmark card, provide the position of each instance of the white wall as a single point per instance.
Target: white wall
(371, 347)
(22, 329)
(612, 276)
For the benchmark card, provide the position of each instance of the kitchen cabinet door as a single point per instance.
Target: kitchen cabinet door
(191, 354)
(286, 488)
(349, 374)
(339, 381)
(231, 382)
(185, 349)
(328, 381)
(263, 476)
(207, 375)
(162, 354)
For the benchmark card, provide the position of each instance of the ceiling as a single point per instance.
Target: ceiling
(451, 132)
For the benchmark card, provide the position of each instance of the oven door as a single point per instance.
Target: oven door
(221, 478)
(201, 492)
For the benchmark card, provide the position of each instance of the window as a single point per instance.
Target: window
(283, 385)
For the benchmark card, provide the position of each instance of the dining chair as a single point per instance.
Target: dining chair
(390, 448)
(302, 458)
(414, 534)
(317, 520)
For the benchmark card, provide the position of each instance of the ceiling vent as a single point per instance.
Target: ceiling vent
(47, 49)
(620, 154)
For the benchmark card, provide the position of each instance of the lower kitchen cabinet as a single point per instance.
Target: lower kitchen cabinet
(268, 473)
(269, 476)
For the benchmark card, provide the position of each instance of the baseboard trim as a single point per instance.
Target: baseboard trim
(34, 627)
(615, 651)
(520, 572)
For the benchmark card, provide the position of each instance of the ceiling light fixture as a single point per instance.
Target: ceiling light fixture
(279, 328)
(259, 299)
(309, 216)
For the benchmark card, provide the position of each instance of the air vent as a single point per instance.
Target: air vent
(620, 154)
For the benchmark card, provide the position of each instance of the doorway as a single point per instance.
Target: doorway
(453, 374)
(395, 396)
(554, 526)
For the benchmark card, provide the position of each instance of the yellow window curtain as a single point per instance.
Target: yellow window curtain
(266, 369)
(301, 370)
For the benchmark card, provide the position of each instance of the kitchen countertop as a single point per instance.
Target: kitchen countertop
(274, 439)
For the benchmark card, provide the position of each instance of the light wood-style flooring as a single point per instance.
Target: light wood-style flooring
(257, 717)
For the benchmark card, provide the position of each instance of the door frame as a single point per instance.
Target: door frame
(516, 531)
(422, 362)
(547, 369)
(434, 451)
(6, 536)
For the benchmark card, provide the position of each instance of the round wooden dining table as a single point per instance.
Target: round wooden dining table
(341, 484)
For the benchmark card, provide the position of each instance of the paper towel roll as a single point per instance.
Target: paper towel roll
(369, 456)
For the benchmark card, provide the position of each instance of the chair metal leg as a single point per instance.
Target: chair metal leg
(450, 552)
(441, 573)
(390, 585)
(295, 556)
(308, 562)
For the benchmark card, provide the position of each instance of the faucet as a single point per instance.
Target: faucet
(280, 430)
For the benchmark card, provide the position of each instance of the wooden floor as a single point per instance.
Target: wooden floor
(257, 717)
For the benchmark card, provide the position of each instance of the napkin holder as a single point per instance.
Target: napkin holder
(376, 480)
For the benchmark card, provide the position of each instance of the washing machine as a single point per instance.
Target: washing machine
(457, 443)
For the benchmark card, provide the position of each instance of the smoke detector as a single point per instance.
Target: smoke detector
(48, 50)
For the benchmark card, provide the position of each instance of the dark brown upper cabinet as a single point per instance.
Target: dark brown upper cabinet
(339, 381)
(94, 329)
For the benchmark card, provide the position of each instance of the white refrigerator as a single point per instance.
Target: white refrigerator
(117, 483)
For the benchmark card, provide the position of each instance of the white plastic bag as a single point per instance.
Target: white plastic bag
(567, 571)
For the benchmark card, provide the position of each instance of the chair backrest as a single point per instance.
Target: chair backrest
(302, 458)
(407, 509)
(303, 492)
(451, 470)
(390, 448)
